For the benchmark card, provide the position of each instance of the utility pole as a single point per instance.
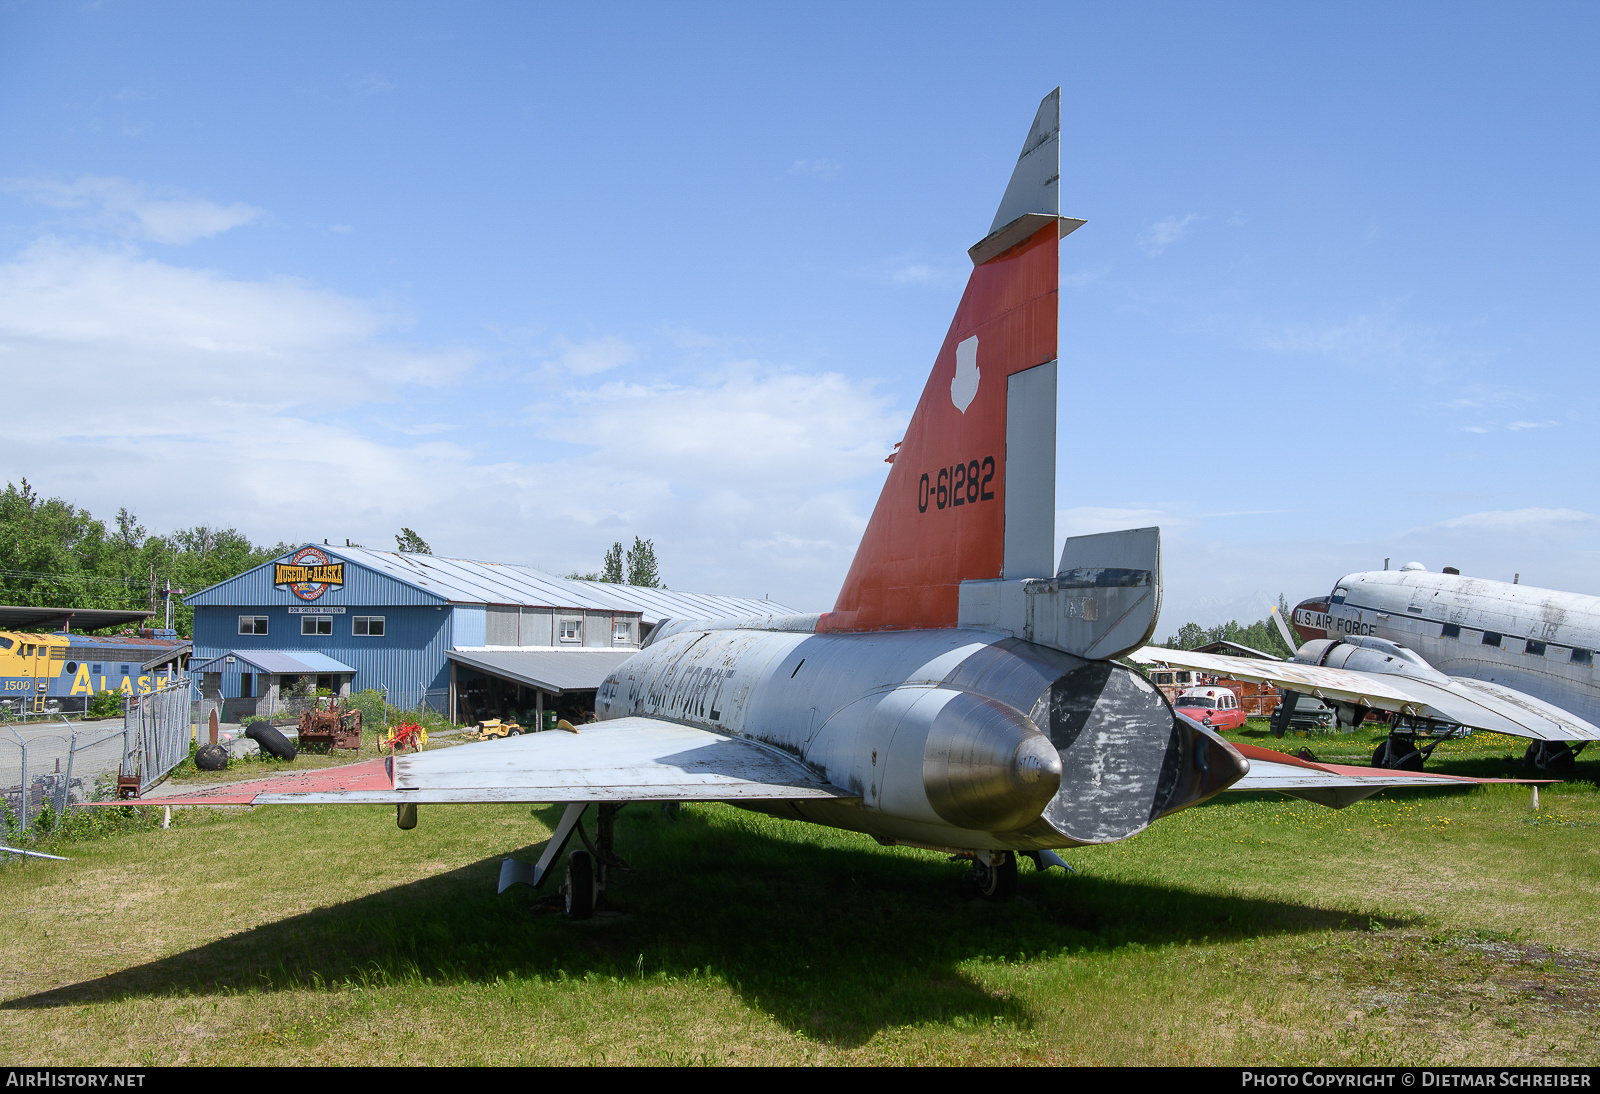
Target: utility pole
(166, 594)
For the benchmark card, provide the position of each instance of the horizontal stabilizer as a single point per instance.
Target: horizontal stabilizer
(1338, 785)
(1114, 580)
(1102, 603)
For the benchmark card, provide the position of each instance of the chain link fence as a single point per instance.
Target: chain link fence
(61, 763)
(156, 733)
(58, 764)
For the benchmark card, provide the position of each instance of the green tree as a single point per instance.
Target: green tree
(411, 543)
(613, 567)
(51, 553)
(54, 554)
(642, 568)
(1261, 635)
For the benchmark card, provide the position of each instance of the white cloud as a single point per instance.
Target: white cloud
(1371, 339)
(372, 84)
(1473, 429)
(1484, 396)
(824, 169)
(1526, 521)
(594, 356)
(920, 272)
(251, 404)
(134, 211)
(1529, 425)
(1084, 278)
(1163, 233)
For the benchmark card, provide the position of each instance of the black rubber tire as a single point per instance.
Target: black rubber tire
(579, 889)
(997, 882)
(211, 758)
(1550, 756)
(1397, 756)
(270, 740)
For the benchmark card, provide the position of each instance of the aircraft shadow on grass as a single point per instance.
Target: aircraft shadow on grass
(836, 943)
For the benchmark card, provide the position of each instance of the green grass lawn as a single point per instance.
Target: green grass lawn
(1453, 927)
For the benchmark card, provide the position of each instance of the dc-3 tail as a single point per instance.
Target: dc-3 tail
(963, 533)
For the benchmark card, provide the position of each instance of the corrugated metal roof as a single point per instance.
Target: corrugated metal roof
(658, 604)
(554, 670)
(174, 654)
(465, 581)
(282, 661)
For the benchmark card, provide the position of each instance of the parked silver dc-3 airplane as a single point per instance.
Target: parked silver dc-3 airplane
(960, 697)
(1442, 654)
(1538, 641)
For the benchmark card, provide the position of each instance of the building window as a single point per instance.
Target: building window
(1450, 630)
(367, 626)
(1491, 638)
(316, 624)
(1535, 648)
(244, 686)
(572, 630)
(252, 624)
(621, 630)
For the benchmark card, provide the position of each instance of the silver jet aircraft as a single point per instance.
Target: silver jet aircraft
(961, 696)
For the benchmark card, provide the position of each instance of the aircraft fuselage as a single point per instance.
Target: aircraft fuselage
(952, 738)
(1538, 641)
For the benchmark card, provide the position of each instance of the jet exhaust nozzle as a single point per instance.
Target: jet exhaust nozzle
(987, 767)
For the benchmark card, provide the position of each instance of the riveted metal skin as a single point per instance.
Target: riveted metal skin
(950, 738)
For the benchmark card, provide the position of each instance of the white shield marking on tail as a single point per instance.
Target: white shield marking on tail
(964, 385)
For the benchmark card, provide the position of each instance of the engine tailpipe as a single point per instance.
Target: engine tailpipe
(987, 767)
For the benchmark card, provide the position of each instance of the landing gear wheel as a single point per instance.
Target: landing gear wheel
(579, 887)
(998, 881)
(1550, 755)
(1397, 754)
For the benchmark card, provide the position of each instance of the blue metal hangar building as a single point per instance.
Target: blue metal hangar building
(468, 639)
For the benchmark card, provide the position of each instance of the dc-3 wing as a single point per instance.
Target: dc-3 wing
(625, 759)
(1470, 703)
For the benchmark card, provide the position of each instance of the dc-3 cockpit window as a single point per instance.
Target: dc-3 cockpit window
(1196, 701)
(1339, 594)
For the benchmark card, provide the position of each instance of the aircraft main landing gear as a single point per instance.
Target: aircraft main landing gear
(995, 874)
(1552, 755)
(1399, 754)
(579, 890)
(584, 879)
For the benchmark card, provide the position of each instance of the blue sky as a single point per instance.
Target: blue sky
(533, 279)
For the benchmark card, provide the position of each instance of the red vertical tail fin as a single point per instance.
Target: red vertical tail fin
(971, 492)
